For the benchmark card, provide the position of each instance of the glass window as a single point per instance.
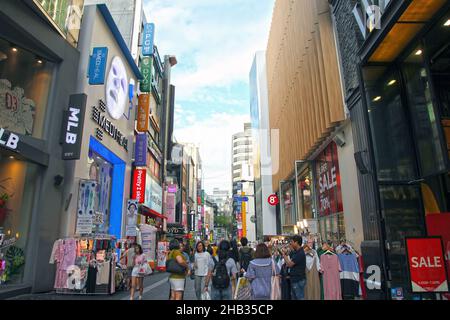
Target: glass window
(25, 81)
(394, 152)
(66, 14)
(17, 182)
(101, 171)
(425, 121)
(305, 194)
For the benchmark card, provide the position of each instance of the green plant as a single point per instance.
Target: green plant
(3, 200)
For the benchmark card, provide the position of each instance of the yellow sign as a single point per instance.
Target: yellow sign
(244, 217)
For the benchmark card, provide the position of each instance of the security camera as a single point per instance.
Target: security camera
(339, 139)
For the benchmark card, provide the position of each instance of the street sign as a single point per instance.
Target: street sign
(241, 199)
(273, 200)
(427, 264)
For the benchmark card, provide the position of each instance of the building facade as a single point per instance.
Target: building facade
(396, 77)
(38, 68)
(306, 104)
(262, 161)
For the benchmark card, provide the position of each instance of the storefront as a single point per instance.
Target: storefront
(101, 182)
(406, 80)
(32, 75)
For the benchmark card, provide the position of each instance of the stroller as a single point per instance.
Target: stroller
(121, 279)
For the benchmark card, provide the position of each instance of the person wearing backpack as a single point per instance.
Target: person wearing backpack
(222, 272)
(246, 254)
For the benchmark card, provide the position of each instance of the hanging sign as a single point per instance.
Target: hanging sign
(273, 200)
(148, 39)
(73, 124)
(132, 212)
(143, 113)
(146, 71)
(427, 264)
(97, 66)
(86, 204)
(141, 150)
(139, 179)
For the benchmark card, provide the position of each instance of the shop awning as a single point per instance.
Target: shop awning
(411, 22)
(145, 211)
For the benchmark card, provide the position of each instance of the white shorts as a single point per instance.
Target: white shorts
(177, 284)
(135, 273)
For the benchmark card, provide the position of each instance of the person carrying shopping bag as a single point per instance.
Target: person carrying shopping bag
(260, 272)
(140, 270)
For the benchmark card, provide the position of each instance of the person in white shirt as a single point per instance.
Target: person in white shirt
(201, 263)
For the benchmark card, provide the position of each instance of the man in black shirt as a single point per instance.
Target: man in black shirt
(296, 262)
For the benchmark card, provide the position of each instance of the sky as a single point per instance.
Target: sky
(214, 42)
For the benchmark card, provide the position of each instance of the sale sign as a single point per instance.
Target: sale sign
(427, 264)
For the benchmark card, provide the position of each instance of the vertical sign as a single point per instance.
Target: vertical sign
(72, 131)
(138, 192)
(141, 150)
(86, 204)
(148, 39)
(143, 113)
(146, 70)
(132, 211)
(427, 264)
(97, 66)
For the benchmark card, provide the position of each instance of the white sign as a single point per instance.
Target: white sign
(117, 89)
(86, 205)
(153, 195)
(132, 211)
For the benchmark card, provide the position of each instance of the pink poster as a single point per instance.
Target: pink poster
(170, 207)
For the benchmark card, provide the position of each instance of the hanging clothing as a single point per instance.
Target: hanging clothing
(330, 267)
(92, 279)
(349, 275)
(312, 289)
(104, 269)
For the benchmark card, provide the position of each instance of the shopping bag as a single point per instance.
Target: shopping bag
(275, 292)
(206, 295)
(243, 290)
(145, 270)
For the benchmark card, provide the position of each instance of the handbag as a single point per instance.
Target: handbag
(275, 292)
(206, 295)
(172, 266)
(243, 289)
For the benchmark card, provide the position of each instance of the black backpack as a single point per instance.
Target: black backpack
(245, 258)
(221, 278)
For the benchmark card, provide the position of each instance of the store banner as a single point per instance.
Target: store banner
(146, 71)
(153, 195)
(426, 263)
(86, 206)
(163, 248)
(148, 39)
(140, 154)
(143, 113)
(148, 241)
(97, 66)
(138, 188)
(170, 207)
(132, 214)
(73, 124)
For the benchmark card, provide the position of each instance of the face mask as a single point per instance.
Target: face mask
(116, 89)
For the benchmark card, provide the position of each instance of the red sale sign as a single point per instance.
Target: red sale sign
(427, 264)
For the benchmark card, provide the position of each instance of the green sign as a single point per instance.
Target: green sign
(146, 70)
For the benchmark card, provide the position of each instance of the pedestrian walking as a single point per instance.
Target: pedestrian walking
(137, 279)
(296, 262)
(246, 254)
(222, 273)
(202, 261)
(177, 279)
(127, 258)
(260, 271)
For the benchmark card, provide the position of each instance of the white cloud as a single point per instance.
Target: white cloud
(213, 137)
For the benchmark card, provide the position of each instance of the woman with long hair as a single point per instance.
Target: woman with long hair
(137, 280)
(202, 261)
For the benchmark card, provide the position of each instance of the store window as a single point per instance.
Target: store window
(17, 189)
(66, 15)
(25, 81)
(101, 171)
(393, 148)
(289, 216)
(305, 194)
(425, 121)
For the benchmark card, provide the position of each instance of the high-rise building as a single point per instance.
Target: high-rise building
(262, 160)
(243, 183)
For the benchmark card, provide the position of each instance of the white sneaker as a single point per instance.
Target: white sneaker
(140, 297)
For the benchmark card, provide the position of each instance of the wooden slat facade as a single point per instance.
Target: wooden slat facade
(305, 93)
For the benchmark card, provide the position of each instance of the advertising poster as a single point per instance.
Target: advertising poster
(132, 214)
(86, 206)
(427, 264)
(148, 239)
(163, 247)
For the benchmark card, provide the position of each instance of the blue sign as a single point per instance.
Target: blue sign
(140, 155)
(97, 66)
(148, 39)
(241, 199)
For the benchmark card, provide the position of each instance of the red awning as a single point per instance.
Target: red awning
(149, 212)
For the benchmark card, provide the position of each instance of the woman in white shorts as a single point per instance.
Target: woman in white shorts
(177, 280)
(137, 280)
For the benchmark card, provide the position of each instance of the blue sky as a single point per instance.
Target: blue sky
(214, 42)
